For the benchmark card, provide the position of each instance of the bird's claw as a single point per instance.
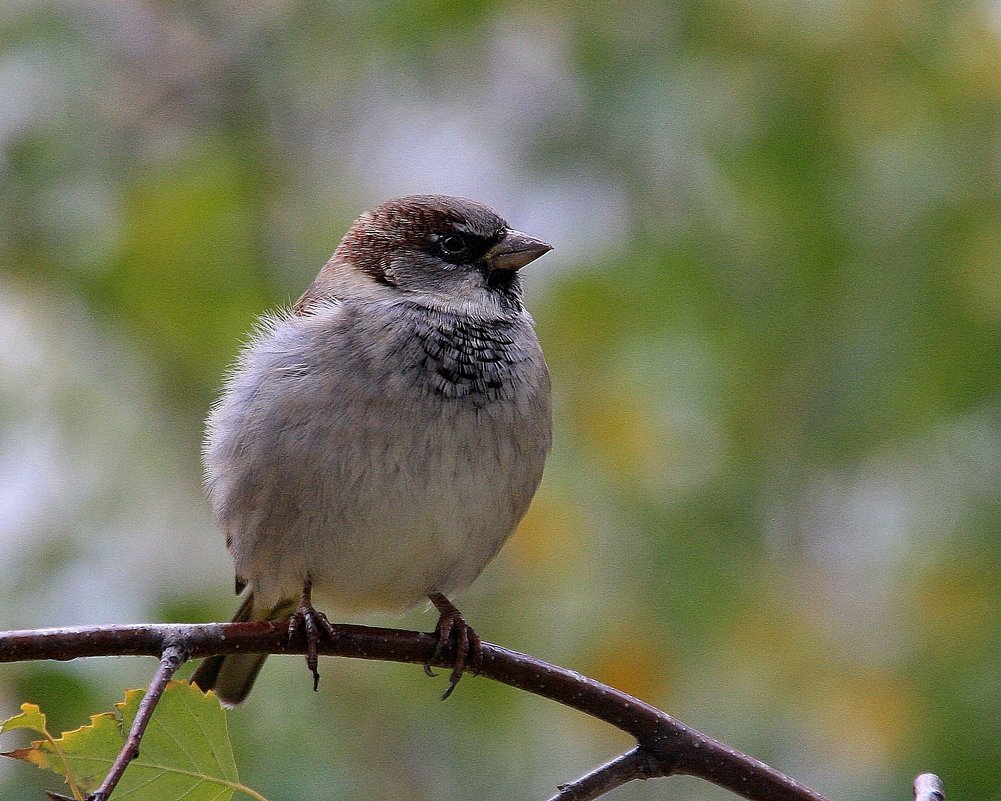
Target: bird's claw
(311, 622)
(468, 645)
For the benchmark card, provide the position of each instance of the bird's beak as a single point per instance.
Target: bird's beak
(515, 250)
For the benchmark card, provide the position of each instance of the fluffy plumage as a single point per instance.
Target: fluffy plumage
(381, 440)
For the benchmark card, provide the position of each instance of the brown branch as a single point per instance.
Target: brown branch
(634, 764)
(666, 746)
(173, 657)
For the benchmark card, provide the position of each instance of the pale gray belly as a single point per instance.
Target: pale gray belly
(395, 488)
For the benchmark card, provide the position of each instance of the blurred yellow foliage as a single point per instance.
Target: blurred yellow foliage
(628, 656)
(548, 536)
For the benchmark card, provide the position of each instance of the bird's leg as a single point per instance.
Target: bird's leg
(468, 646)
(311, 622)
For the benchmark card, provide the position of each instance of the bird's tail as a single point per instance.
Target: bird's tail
(232, 676)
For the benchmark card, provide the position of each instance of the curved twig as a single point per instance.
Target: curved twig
(666, 746)
(634, 764)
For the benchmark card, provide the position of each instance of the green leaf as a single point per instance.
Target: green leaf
(31, 717)
(46, 754)
(185, 752)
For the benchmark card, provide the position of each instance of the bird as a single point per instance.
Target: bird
(378, 442)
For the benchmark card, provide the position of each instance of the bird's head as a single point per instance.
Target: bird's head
(440, 251)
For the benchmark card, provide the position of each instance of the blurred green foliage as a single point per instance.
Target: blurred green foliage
(772, 320)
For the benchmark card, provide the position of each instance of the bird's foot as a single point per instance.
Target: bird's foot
(468, 645)
(311, 622)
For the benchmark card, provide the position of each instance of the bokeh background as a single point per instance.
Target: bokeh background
(772, 320)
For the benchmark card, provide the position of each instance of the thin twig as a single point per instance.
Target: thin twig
(668, 742)
(928, 787)
(634, 764)
(173, 657)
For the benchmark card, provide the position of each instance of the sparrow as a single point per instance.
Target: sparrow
(378, 442)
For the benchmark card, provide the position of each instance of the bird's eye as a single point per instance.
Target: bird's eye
(452, 244)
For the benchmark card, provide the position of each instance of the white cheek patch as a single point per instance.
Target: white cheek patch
(478, 302)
